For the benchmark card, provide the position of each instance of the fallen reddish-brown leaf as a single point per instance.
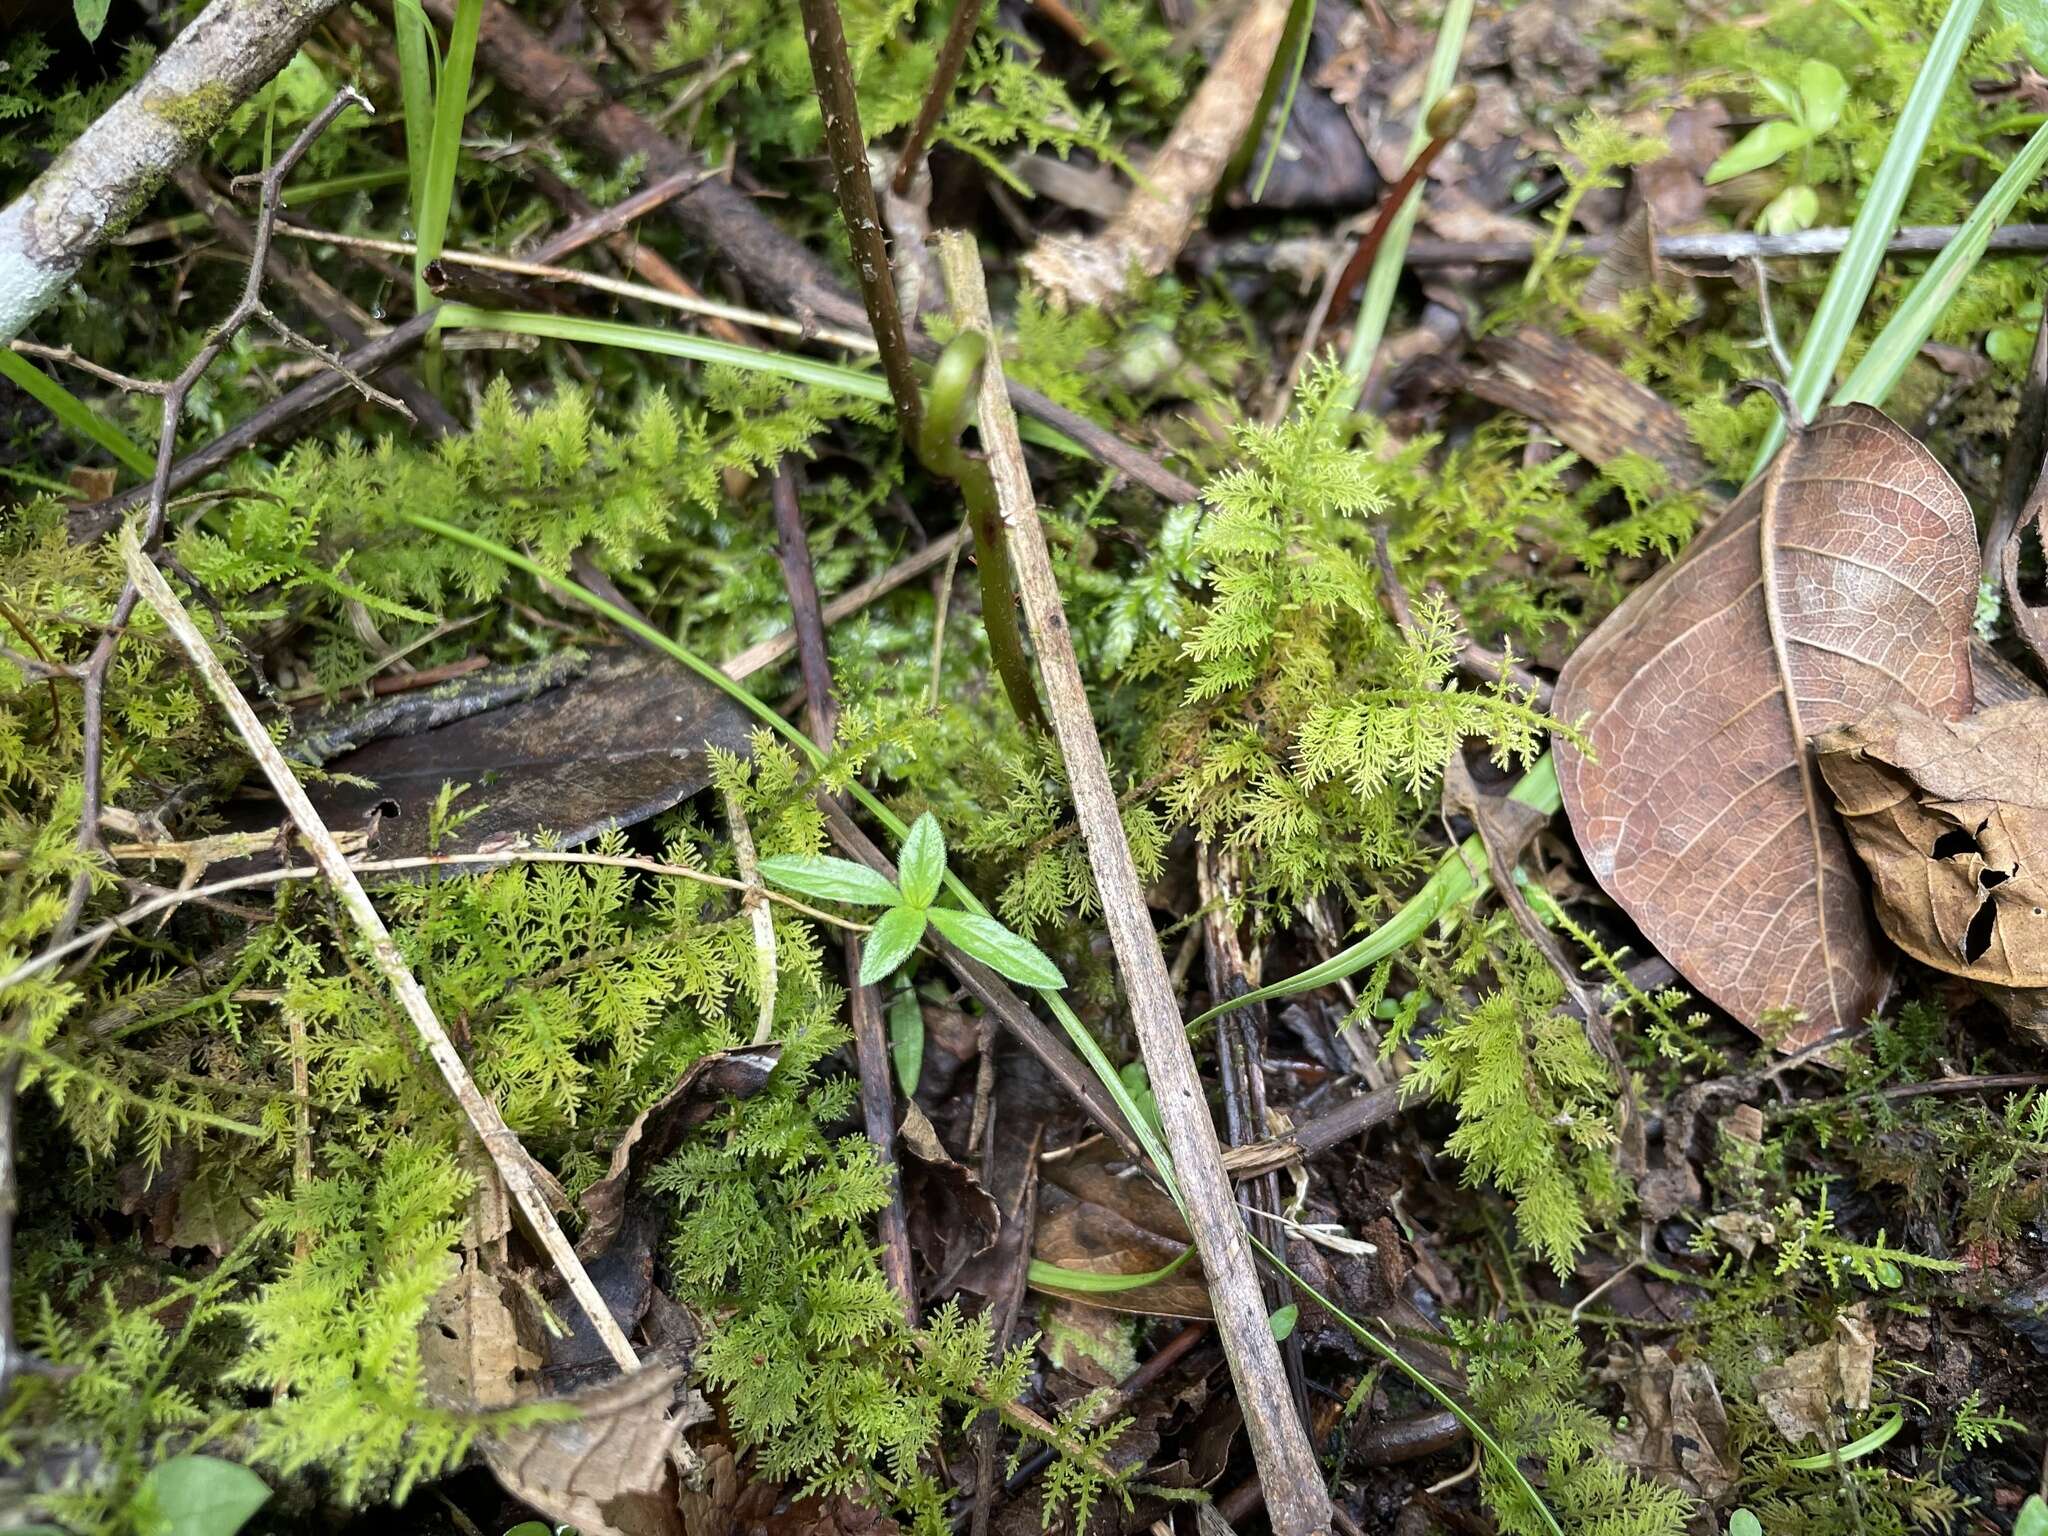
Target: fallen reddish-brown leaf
(1844, 580)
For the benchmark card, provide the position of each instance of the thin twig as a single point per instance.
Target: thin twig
(163, 900)
(1299, 1503)
(870, 1037)
(757, 912)
(510, 1158)
(952, 54)
(617, 287)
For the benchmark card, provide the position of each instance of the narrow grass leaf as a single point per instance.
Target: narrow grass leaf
(72, 413)
(1856, 268)
(1914, 320)
(1385, 276)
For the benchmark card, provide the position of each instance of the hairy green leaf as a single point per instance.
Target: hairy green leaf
(921, 868)
(828, 879)
(896, 934)
(996, 947)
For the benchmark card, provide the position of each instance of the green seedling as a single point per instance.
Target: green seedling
(907, 909)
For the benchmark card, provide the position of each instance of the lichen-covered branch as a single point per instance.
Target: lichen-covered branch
(107, 174)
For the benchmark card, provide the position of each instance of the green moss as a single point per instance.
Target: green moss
(197, 114)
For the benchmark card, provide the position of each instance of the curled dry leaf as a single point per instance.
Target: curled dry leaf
(1677, 1426)
(606, 1472)
(1951, 819)
(1844, 580)
(710, 1081)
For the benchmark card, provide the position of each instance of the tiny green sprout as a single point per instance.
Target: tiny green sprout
(1743, 1522)
(2033, 1517)
(1813, 104)
(908, 909)
(1283, 1320)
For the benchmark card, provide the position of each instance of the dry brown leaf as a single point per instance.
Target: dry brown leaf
(656, 1132)
(1699, 808)
(606, 1472)
(1093, 1215)
(1801, 1392)
(1677, 1427)
(1951, 819)
(469, 1344)
(2029, 618)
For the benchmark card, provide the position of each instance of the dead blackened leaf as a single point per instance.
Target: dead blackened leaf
(623, 742)
(1698, 806)
(952, 1218)
(1677, 1426)
(1951, 819)
(606, 1472)
(1595, 409)
(710, 1081)
(1800, 1394)
(469, 1344)
(1096, 1213)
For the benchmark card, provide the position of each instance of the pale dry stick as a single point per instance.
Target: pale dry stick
(1295, 1494)
(617, 287)
(757, 911)
(108, 172)
(1160, 215)
(506, 1153)
(162, 900)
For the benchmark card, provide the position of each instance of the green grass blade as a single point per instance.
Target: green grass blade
(1293, 58)
(1914, 320)
(1385, 276)
(418, 58)
(1084, 1042)
(1461, 874)
(1095, 1283)
(436, 198)
(702, 349)
(1841, 305)
(647, 338)
(72, 413)
(1502, 1461)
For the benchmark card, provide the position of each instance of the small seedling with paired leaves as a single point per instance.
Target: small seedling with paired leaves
(907, 909)
(1813, 104)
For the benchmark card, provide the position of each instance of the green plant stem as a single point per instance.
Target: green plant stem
(1841, 304)
(1378, 302)
(1083, 1041)
(1913, 322)
(1461, 874)
(832, 74)
(72, 413)
(1502, 1461)
(955, 378)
